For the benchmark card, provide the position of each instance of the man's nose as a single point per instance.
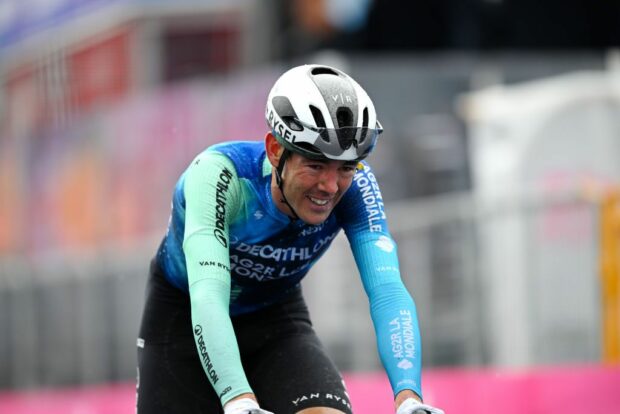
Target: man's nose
(329, 181)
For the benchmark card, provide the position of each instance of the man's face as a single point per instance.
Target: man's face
(314, 187)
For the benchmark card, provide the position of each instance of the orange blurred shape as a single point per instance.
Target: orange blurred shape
(80, 201)
(10, 206)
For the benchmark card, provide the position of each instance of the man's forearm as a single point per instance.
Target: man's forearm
(216, 342)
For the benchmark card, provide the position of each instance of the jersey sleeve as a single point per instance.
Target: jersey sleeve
(211, 191)
(392, 308)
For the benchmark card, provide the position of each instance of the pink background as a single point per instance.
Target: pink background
(542, 390)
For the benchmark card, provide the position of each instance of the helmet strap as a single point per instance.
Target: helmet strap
(279, 169)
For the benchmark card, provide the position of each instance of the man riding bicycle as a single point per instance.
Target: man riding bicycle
(225, 328)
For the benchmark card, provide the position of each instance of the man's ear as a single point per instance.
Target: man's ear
(274, 149)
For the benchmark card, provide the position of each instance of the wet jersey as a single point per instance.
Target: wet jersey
(234, 251)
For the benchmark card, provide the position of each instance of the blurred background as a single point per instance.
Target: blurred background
(499, 166)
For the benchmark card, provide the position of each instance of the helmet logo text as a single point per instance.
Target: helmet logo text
(342, 98)
(280, 128)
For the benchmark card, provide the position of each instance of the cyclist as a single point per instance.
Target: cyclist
(225, 327)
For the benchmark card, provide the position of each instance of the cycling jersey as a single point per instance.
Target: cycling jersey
(235, 252)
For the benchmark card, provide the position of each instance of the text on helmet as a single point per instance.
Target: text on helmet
(342, 98)
(280, 128)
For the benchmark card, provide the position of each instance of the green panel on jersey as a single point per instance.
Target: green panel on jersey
(212, 194)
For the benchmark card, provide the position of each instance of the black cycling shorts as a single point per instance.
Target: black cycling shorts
(283, 358)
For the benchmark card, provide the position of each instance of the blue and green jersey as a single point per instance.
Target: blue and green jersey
(235, 252)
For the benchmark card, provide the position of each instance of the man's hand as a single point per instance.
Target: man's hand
(413, 406)
(244, 406)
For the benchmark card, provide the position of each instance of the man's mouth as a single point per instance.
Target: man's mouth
(318, 201)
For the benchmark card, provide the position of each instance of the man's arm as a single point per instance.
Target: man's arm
(392, 308)
(396, 325)
(398, 335)
(211, 194)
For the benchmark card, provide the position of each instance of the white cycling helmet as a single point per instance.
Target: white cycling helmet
(321, 112)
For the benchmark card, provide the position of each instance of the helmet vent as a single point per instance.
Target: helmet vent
(344, 117)
(284, 109)
(321, 70)
(320, 122)
(318, 117)
(364, 125)
(292, 123)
